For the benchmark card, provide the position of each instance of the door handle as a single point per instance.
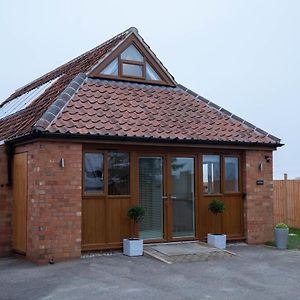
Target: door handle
(173, 197)
(164, 197)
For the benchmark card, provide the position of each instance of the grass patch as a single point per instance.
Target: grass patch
(293, 241)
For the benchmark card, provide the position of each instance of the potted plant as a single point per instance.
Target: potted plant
(217, 239)
(281, 235)
(134, 246)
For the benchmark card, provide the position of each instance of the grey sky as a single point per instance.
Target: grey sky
(243, 55)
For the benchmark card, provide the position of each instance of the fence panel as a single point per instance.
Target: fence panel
(287, 202)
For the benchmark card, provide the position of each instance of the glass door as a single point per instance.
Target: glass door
(151, 197)
(182, 196)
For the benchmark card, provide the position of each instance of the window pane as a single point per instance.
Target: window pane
(231, 174)
(211, 174)
(151, 74)
(151, 188)
(132, 70)
(131, 53)
(93, 172)
(183, 199)
(111, 69)
(118, 173)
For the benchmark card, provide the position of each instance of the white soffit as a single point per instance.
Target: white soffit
(24, 100)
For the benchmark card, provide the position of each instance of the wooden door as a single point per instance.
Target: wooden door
(19, 212)
(167, 192)
(224, 182)
(181, 178)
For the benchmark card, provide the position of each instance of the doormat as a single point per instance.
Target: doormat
(184, 252)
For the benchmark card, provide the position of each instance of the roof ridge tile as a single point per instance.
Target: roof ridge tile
(59, 104)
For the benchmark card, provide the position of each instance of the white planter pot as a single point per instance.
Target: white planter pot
(133, 247)
(217, 240)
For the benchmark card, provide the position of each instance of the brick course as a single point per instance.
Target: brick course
(54, 201)
(258, 206)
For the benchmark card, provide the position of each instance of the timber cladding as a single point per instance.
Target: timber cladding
(287, 202)
(5, 205)
(19, 213)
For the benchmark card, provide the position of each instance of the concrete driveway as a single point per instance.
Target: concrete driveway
(258, 273)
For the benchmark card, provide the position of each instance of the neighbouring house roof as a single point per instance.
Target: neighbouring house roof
(78, 104)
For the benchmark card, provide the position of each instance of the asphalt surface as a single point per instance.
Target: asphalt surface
(257, 273)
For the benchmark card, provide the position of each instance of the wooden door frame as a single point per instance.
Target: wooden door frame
(150, 154)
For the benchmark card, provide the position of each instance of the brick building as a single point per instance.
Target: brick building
(112, 128)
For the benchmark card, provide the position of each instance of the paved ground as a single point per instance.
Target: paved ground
(184, 252)
(258, 273)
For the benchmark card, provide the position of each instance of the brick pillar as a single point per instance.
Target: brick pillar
(5, 205)
(54, 201)
(258, 206)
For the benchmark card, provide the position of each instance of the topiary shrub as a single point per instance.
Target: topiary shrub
(281, 226)
(136, 213)
(216, 206)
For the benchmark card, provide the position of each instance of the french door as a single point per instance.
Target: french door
(167, 192)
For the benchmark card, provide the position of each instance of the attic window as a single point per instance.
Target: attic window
(131, 64)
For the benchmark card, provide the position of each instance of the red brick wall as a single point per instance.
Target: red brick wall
(259, 198)
(54, 201)
(5, 206)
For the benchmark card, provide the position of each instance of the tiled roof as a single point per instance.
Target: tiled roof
(22, 122)
(111, 108)
(78, 105)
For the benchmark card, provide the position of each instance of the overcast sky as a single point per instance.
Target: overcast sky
(243, 55)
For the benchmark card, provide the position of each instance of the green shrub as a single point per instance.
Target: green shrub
(216, 206)
(136, 213)
(281, 226)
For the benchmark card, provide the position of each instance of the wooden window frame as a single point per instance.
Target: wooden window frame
(223, 192)
(165, 80)
(104, 194)
(93, 194)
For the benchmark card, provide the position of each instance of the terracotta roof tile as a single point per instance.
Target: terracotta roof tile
(23, 121)
(111, 108)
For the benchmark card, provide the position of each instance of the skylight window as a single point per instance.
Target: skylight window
(24, 100)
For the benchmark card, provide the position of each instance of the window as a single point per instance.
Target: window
(211, 174)
(118, 173)
(112, 68)
(231, 174)
(93, 173)
(114, 163)
(131, 63)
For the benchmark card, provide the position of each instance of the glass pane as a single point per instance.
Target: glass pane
(211, 174)
(151, 74)
(150, 194)
(111, 69)
(182, 178)
(132, 70)
(93, 173)
(131, 53)
(118, 173)
(231, 174)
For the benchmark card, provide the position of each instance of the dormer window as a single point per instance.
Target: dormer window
(133, 61)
